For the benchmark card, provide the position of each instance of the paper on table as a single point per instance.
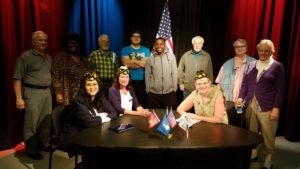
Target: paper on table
(186, 122)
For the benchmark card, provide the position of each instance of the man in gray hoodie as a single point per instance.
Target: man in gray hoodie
(161, 77)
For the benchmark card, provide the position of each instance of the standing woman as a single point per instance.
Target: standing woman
(122, 95)
(68, 69)
(262, 92)
(207, 100)
(230, 79)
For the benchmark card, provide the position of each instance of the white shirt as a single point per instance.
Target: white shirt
(262, 66)
(126, 101)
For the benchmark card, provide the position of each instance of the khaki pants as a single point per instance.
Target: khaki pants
(258, 121)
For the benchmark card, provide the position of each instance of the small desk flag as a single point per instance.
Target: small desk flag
(171, 118)
(153, 119)
(164, 127)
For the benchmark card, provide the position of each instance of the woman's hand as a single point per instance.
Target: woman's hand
(239, 102)
(274, 115)
(146, 113)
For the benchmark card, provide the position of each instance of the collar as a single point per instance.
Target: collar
(105, 53)
(37, 53)
(196, 53)
(164, 52)
(266, 62)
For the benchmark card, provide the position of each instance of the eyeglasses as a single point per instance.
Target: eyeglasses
(90, 76)
(202, 83)
(241, 46)
(136, 37)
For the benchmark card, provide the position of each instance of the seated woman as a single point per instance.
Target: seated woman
(89, 109)
(122, 96)
(207, 100)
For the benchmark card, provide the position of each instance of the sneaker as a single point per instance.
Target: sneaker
(267, 165)
(79, 166)
(264, 167)
(34, 156)
(254, 159)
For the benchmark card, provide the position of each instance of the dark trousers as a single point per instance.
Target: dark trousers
(234, 118)
(162, 101)
(140, 92)
(106, 84)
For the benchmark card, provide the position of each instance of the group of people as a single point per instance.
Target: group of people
(97, 89)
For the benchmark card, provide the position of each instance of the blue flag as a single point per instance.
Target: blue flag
(164, 126)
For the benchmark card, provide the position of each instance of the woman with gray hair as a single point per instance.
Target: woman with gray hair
(230, 78)
(262, 92)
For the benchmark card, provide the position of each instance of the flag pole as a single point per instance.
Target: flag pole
(187, 131)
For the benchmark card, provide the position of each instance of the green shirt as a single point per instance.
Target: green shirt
(105, 63)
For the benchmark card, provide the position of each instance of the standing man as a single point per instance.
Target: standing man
(161, 77)
(230, 78)
(32, 79)
(134, 57)
(192, 61)
(104, 62)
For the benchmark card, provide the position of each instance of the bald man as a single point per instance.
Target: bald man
(31, 81)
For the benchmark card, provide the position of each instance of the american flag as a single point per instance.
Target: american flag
(165, 30)
(171, 118)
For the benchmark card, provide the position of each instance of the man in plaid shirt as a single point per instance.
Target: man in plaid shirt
(104, 62)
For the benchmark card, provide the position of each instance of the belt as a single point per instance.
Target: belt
(34, 86)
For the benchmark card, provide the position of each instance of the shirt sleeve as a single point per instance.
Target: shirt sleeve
(20, 68)
(220, 75)
(180, 70)
(174, 74)
(112, 113)
(115, 99)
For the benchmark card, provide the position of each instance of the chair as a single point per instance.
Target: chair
(57, 118)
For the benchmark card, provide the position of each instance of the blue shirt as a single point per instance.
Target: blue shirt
(142, 52)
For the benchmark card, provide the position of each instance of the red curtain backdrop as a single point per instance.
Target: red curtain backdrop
(292, 130)
(254, 20)
(19, 18)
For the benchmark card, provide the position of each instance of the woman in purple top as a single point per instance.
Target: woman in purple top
(262, 91)
(122, 96)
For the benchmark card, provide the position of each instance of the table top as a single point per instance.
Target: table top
(202, 135)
